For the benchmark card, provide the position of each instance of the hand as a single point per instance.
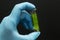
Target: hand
(8, 28)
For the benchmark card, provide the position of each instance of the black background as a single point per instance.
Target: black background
(48, 15)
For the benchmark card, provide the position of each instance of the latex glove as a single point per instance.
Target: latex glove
(26, 20)
(8, 26)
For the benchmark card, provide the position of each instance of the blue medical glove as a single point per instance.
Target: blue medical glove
(26, 20)
(8, 26)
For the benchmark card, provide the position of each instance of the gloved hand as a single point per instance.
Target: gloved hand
(8, 26)
(26, 20)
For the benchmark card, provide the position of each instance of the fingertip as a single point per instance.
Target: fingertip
(34, 35)
(37, 33)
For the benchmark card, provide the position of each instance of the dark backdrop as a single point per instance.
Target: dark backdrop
(48, 15)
